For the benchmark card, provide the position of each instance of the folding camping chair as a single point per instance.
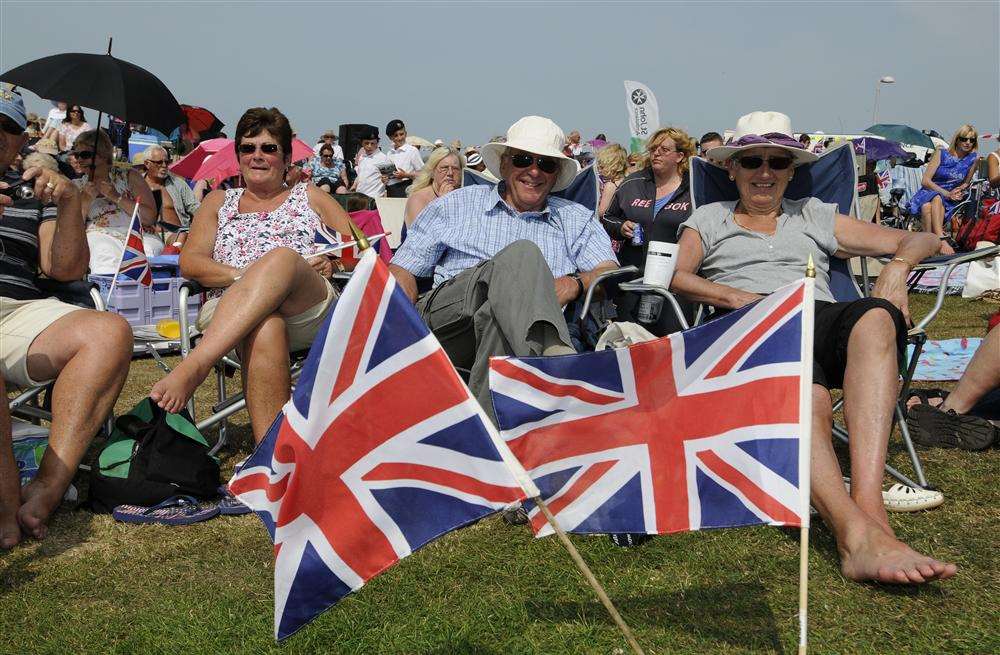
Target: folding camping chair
(833, 179)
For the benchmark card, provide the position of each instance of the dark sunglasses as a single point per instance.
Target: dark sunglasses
(157, 162)
(84, 154)
(967, 139)
(753, 162)
(250, 148)
(524, 160)
(75, 111)
(10, 127)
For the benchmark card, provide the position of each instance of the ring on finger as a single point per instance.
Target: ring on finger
(49, 186)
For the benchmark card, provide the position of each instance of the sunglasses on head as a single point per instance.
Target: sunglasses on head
(10, 127)
(524, 160)
(752, 162)
(967, 139)
(250, 148)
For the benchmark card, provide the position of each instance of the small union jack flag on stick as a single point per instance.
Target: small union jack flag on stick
(133, 263)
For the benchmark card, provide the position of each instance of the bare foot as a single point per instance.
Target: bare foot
(40, 500)
(946, 249)
(10, 531)
(874, 555)
(172, 392)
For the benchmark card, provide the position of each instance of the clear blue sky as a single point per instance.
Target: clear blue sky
(468, 70)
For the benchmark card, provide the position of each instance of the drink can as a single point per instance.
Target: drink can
(637, 235)
(650, 306)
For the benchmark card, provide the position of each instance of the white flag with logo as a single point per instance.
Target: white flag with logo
(643, 113)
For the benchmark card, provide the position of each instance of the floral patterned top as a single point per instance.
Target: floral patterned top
(244, 238)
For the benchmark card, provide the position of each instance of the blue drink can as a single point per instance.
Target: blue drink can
(637, 235)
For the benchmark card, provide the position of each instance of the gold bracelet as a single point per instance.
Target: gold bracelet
(900, 259)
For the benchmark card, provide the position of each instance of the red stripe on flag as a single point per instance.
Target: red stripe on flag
(729, 361)
(433, 475)
(509, 370)
(583, 483)
(749, 489)
(370, 299)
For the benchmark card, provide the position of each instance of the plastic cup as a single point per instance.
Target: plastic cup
(661, 257)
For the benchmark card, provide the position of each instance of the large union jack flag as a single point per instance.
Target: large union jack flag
(380, 450)
(134, 264)
(696, 430)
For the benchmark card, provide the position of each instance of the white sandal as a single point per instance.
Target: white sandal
(902, 498)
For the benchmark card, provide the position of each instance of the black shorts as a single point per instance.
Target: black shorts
(833, 325)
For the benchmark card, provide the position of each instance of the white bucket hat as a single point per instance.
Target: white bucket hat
(539, 136)
(762, 128)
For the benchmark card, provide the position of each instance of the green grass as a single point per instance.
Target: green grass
(98, 586)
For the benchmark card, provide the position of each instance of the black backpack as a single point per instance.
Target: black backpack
(151, 456)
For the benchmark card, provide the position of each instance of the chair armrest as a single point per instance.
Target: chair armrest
(192, 287)
(613, 274)
(638, 286)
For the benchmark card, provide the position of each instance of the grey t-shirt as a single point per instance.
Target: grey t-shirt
(762, 263)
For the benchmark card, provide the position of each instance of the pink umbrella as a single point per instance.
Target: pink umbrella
(223, 164)
(191, 162)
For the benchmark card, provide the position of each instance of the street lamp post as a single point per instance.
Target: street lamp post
(886, 79)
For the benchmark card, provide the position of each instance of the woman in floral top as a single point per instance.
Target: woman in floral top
(253, 247)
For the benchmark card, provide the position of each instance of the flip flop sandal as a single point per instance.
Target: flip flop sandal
(903, 498)
(176, 510)
(931, 427)
(230, 505)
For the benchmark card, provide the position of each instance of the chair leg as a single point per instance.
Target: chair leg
(904, 430)
(220, 380)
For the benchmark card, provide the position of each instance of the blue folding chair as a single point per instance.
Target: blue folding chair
(833, 179)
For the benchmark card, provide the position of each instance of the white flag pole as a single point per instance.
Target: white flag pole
(114, 277)
(805, 442)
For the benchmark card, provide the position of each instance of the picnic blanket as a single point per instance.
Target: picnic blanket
(931, 280)
(944, 359)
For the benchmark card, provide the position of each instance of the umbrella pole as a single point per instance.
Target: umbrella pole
(97, 135)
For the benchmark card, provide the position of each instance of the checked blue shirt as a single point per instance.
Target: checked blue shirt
(472, 224)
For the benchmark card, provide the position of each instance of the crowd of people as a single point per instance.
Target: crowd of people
(490, 268)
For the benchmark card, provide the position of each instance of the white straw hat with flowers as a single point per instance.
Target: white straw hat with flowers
(762, 128)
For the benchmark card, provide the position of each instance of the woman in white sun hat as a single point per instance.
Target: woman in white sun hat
(733, 253)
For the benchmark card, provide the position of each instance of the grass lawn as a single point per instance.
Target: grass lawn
(98, 586)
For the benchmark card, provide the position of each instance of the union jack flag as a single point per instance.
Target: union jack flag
(381, 449)
(134, 264)
(696, 430)
(883, 178)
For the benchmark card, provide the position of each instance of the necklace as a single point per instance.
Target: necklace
(762, 233)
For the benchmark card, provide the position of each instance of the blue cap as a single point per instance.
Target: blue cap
(12, 106)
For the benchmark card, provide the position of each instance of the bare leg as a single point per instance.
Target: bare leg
(280, 282)
(937, 224)
(10, 486)
(926, 218)
(266, 379)
(88, 353)
(868, 549)
(981, 376)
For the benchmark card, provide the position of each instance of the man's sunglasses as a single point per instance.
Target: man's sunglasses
(967, 139)
(10, 127)
(266, 148)
(753, 162)
(524, 160)
(157, 162)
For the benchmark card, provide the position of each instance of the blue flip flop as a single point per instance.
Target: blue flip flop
(176, 510)
(230, 505)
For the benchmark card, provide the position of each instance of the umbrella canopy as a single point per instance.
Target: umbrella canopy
(901, 134)
(878, 149)
(188, 165)
(102, 82)
(224, 164)
(200, 120)
(418, 141)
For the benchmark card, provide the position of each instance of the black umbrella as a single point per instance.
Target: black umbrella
(101, 82)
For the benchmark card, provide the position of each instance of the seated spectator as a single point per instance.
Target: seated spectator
(441, 175)
(636, 162)
(109, 195)
(474, 161)
(55, 117)
(405, 157)
(708, 141)
(373, 167)
(805, 140)
(945, 183)
(86, 353)
(505, 259)
(993, 169)
(963, 419)
(329, 138)
(175, 201)
(253, 248)
(72, 127)
(612, 162)
(869, 207)
(34, 130)
(328, 172)
(573, 147)
(748, 248)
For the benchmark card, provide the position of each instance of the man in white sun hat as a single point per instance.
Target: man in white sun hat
(505, 259)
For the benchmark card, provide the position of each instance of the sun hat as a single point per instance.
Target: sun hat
(539, 136)
(329, 133)
(762, 128)
(473, 158)
(12, 106)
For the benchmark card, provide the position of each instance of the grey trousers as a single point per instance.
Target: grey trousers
(504, 306)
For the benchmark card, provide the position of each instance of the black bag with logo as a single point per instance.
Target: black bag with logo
(151, 456)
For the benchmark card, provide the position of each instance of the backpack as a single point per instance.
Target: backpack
(151, 456)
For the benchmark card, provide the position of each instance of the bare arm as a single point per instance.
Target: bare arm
(414, 205)
(62, 244)
(329, 210)
(993, 169)
(407, 282)
(567, 290)
(607, 194)
(141, 192)
(689, 284)
(197, 262)
(928, 179)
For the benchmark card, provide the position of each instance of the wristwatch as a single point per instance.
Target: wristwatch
(579, 284)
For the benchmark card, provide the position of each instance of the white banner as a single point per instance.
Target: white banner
(643, 113)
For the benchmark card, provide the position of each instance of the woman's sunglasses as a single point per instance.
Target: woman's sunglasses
(524, 160)
(967, 139)
(266, 148)
(753, 162)
(83, 155)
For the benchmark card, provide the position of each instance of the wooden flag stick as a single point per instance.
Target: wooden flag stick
(588, 574)
(803, 588)
(805, 423)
